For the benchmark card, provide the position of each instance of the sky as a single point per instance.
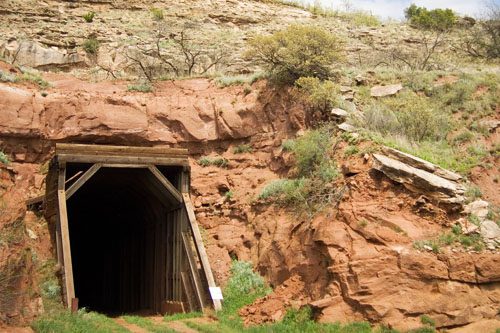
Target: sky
(395, 8)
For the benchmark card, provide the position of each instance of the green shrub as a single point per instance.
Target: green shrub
(215, 161)
(473, 192)
(229, 194)
(243, 287)
(321, 96)
(240, 149)
(285, 191)
(435, 19)
(141, 87)
(351, 150)
(89, 17)
(4, 158)
(157, 13)
(298, 51)
(311, 151)
(426, 320)
(288, 145)
(91, 46)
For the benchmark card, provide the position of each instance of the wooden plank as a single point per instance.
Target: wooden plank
(199, 246)
(126, 166)
(63, 148)
(187, 291)
(108, 159)
(82, 180)
(194, 271)
(165, 182)
(65, 242)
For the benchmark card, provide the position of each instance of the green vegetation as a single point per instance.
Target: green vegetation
(89, 17)
(91, 45)
(321, 96)
(243, 148)
(141, 87)
(351, 150)
(453, 237)
(426, 320)
(157, 14)
(229, 194)
(215, 161)
(79, 322)
(226, 81)
(31, 77)
(314, 171)
(435, 19)
(4, 158)
(147, 324)
(298, 51)
(181, 316)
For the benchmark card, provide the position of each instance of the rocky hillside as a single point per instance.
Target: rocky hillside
(366, 218)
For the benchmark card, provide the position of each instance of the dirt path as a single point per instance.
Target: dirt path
(131, 327)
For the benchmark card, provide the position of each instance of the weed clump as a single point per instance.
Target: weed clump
(91, 46)
(141, 87)
(89, 17)
(220, 162)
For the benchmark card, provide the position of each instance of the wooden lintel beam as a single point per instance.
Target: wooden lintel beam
(166, 183)
(65, 242)
(82, 180)
(120, 159)
(202, 253)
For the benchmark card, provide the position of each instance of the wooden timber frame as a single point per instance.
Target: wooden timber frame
(182, 273)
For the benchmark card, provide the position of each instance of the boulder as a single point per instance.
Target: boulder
(339, 114)
(420, 181)
(490, 231)
(478, 208)
(345, 127)
(389, 90)
(33, 54)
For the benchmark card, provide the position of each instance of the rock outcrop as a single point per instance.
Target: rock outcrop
(421, 177)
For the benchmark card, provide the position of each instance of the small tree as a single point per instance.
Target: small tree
(435, 20)
(298, 51)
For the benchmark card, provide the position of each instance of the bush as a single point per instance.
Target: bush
(284, 191)
(321, 96)
(298, 51)
(240, 149)
(157, 14)
(89, 17)
(215, 161)
(91, 46)
(435, 19)
(4, 158)
(407, 115)
(226, 81)
(243, 287)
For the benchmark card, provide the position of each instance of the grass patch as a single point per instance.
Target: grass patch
(226, 81)
(453, 237)
(240, 149)
(79, 322)
(141, 87)
(206, 161)
(91, 46)
(147, 324)
(181, 316)
(89, 17)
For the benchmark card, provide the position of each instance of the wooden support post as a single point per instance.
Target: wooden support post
(82, 180)
(194, 271)
(66, 246)
(199, 246)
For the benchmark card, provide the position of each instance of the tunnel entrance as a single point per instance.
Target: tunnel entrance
(124, 230)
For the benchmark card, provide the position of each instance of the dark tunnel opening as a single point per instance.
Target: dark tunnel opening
(121, 223)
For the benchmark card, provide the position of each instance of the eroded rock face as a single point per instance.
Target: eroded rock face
(180, 113)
